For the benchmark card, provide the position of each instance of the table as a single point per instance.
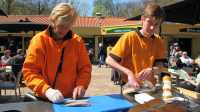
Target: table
(105, 103)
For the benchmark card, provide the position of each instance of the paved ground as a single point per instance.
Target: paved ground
(100, 85)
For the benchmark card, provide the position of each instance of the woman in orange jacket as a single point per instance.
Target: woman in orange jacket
(57, 63)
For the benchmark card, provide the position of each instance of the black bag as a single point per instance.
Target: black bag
(187, 85)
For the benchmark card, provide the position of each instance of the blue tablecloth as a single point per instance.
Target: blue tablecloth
(107, 103)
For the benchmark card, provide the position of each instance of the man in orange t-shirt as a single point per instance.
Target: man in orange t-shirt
(135, 52)
(57, 63)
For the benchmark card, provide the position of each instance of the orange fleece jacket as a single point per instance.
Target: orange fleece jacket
(43, 57)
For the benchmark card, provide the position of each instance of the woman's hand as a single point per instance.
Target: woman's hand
(78, 92)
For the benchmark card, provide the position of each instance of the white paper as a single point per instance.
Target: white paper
(143, 97)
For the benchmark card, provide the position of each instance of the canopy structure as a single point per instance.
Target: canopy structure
(186, 11)
(23, 26)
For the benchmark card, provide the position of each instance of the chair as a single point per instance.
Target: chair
(116, 77)
(13, 84)
(16, 69)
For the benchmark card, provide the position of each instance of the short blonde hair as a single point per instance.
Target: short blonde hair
(63, 13)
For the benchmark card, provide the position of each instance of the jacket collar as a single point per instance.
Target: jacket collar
(51, 34)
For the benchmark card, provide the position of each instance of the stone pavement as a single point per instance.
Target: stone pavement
(100, 85)
(100, 82)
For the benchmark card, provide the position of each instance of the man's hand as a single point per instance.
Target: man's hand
(145, 73)
(132, 80)
(78, 92)
(55, 96)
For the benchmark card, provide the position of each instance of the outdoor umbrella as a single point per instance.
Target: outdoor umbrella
(187, 11)
(22, 27)
(2, 13)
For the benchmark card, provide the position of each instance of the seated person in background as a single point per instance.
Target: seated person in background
(186, 59)
(176, 68)
(192, 84)
(6, 57)
(4, 75)
(197, 61)
(196, 69)
(174, 48)
(178, 54)
(17, 61)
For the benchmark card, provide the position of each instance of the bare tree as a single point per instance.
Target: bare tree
(81, 6)
(117, 8)
(26, 6)
(7, 5)
(128, 9)
(40, 6)
(104, 7)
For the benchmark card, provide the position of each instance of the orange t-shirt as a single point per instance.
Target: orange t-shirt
(137, 52)
(43, 58)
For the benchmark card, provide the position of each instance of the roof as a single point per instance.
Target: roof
(81, 21)
(33, 18)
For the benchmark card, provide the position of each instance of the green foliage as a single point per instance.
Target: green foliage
(103, 7)
(124, 9)
(7, 5)
(116, 8)
(100, 9)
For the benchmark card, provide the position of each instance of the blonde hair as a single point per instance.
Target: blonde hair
(63, 13)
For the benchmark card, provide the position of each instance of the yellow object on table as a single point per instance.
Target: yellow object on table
(193, 94)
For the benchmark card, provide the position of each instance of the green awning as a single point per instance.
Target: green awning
(119, 29)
